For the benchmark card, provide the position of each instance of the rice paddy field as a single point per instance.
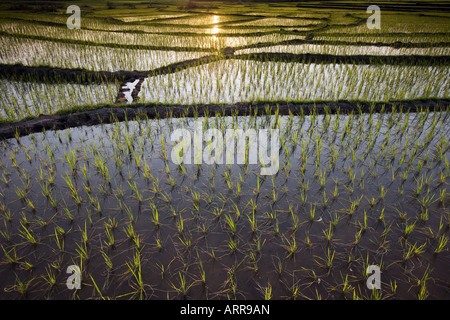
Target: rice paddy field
(87, 149)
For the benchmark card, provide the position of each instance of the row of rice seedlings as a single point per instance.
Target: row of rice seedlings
(412, 40)
(218, 31)
(288, 22)
(237, 81)
(383, 191)
(137, 24)
(92, 37)
(348, 50)
(398, 23)
(32, 52)
(146, 17)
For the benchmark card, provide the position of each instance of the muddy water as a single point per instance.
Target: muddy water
(260, 253)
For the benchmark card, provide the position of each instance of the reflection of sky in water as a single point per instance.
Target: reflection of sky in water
(130, 86)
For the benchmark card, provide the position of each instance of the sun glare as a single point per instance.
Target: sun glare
(215, 29)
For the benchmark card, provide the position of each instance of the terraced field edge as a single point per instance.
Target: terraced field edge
(108, 113)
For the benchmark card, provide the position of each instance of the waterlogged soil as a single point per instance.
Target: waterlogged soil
(347, 188)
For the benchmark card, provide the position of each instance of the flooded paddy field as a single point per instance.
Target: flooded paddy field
(118, 156)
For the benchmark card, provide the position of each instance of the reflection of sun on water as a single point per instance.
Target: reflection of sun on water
(215, 29)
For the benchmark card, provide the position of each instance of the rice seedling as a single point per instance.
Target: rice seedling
(60, 232)
(327, 262)
(159, 243)
(110, 242)
(129, 231)
(383, 192)
(135, 269)
(183, 287)
(413, 250)
(312, 213)
(442, 242)
(164, 269)
(335, 192)
(232, 245)
(155, 215)
(267, 291)
(217, 212)
(108, 261)
(408, 229)
(71, 160)
(186, 241)
(21, 287)
(419, 250)
(442, 196)
(27, 234)
(358, 236)
(346, 288)
(354, 205)
(195, 200)
(381, 217)
(232, 227)
(135, 189)
(11, 256)
(364, 225)
(74, 191)
(291, 246)
(253, 222)
(328, 234)
(49, 277)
